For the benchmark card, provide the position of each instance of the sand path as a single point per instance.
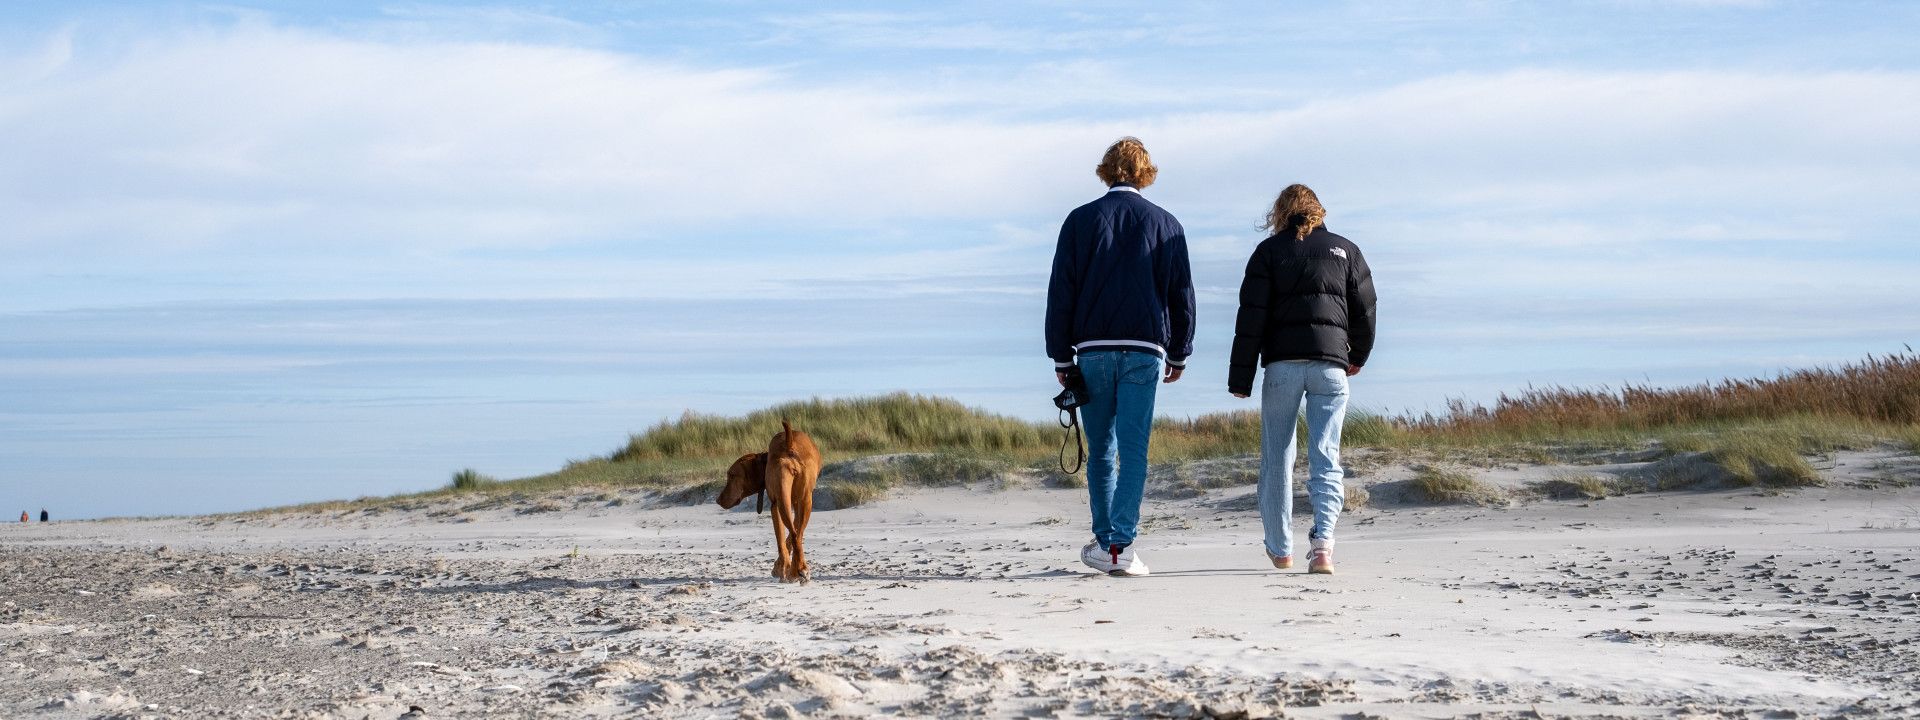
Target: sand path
(970, 602)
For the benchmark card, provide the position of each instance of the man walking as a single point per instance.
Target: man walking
(1120, 313)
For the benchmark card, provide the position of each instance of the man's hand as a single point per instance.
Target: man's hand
(1242, 396)
(1062, 377)
(1353, 370)
(1173, 373)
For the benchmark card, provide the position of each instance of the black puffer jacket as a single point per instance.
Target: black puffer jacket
(1303, 299)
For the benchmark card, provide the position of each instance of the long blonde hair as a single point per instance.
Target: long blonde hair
(1297, 208)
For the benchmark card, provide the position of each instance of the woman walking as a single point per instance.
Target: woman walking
(1306, 315)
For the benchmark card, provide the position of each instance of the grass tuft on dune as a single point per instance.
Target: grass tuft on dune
(1435, 485)
(1571, 487)
(469, 479)
(861, 481)
(1909, 437)
(1775, 454)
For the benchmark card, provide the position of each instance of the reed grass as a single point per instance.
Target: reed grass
(1881, 390)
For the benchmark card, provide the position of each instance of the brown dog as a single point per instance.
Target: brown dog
(787, 471)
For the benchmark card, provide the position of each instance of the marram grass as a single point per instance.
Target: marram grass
(1435, 485)
(1758, 429)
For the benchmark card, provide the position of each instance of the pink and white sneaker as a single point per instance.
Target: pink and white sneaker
(1280, 562)
(1320, 560)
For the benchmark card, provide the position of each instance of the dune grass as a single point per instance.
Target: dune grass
(1775, 454)
(1881, 390)
(1574, 487)
(469, 479)
(1909, 438)
(1436, 485)
(1759, 430)
(1238, 433)
(852, 483)
(853, 427)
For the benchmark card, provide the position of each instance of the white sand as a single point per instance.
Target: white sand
(972, 602)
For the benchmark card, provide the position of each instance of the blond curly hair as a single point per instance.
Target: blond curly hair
(1297, 208)
(1127, 161)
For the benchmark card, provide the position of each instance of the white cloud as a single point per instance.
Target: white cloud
(462, 144)
(330, 165)
(938, 31)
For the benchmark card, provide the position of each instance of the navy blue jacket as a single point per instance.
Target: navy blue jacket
(1120, 282)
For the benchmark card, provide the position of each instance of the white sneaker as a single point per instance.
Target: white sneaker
(1096, 557)
(1128, 564)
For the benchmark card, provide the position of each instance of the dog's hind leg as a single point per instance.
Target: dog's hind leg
(780, 534)
(789, 568)
(781, 494)
(803, 511)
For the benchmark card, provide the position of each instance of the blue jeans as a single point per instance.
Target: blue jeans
(1320, 389)
(1119, 420)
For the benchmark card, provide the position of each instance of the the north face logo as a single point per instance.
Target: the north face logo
(1340, 253)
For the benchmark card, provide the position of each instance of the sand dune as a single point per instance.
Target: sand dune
(969, 602)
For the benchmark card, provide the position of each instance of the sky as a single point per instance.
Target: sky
(257, 254)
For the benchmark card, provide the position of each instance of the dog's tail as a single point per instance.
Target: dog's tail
(786, 428)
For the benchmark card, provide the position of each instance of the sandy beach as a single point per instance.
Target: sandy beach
(970, 602)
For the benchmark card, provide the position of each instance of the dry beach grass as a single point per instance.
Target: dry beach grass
(1760, 431)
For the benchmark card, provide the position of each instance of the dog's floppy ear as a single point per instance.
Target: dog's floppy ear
(747, 477)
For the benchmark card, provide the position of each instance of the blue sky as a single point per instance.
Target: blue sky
(260, 254)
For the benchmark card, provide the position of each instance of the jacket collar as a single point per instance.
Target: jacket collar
(1124, 187)
(1293, 228)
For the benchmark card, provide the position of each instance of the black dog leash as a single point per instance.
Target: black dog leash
(1073, 394)
(1070, 419)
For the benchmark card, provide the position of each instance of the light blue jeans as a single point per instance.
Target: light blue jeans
(1119, 421)
(1320, 390)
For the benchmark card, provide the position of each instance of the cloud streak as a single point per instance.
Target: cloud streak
(262, 134)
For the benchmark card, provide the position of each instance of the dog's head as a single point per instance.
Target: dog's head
(748, 476)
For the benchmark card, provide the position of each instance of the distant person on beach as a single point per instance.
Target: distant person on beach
(23, 516)
(43, 514)
(1306, 315)
(1120, 312)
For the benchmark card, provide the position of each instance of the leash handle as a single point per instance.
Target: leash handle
(1070, 419)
